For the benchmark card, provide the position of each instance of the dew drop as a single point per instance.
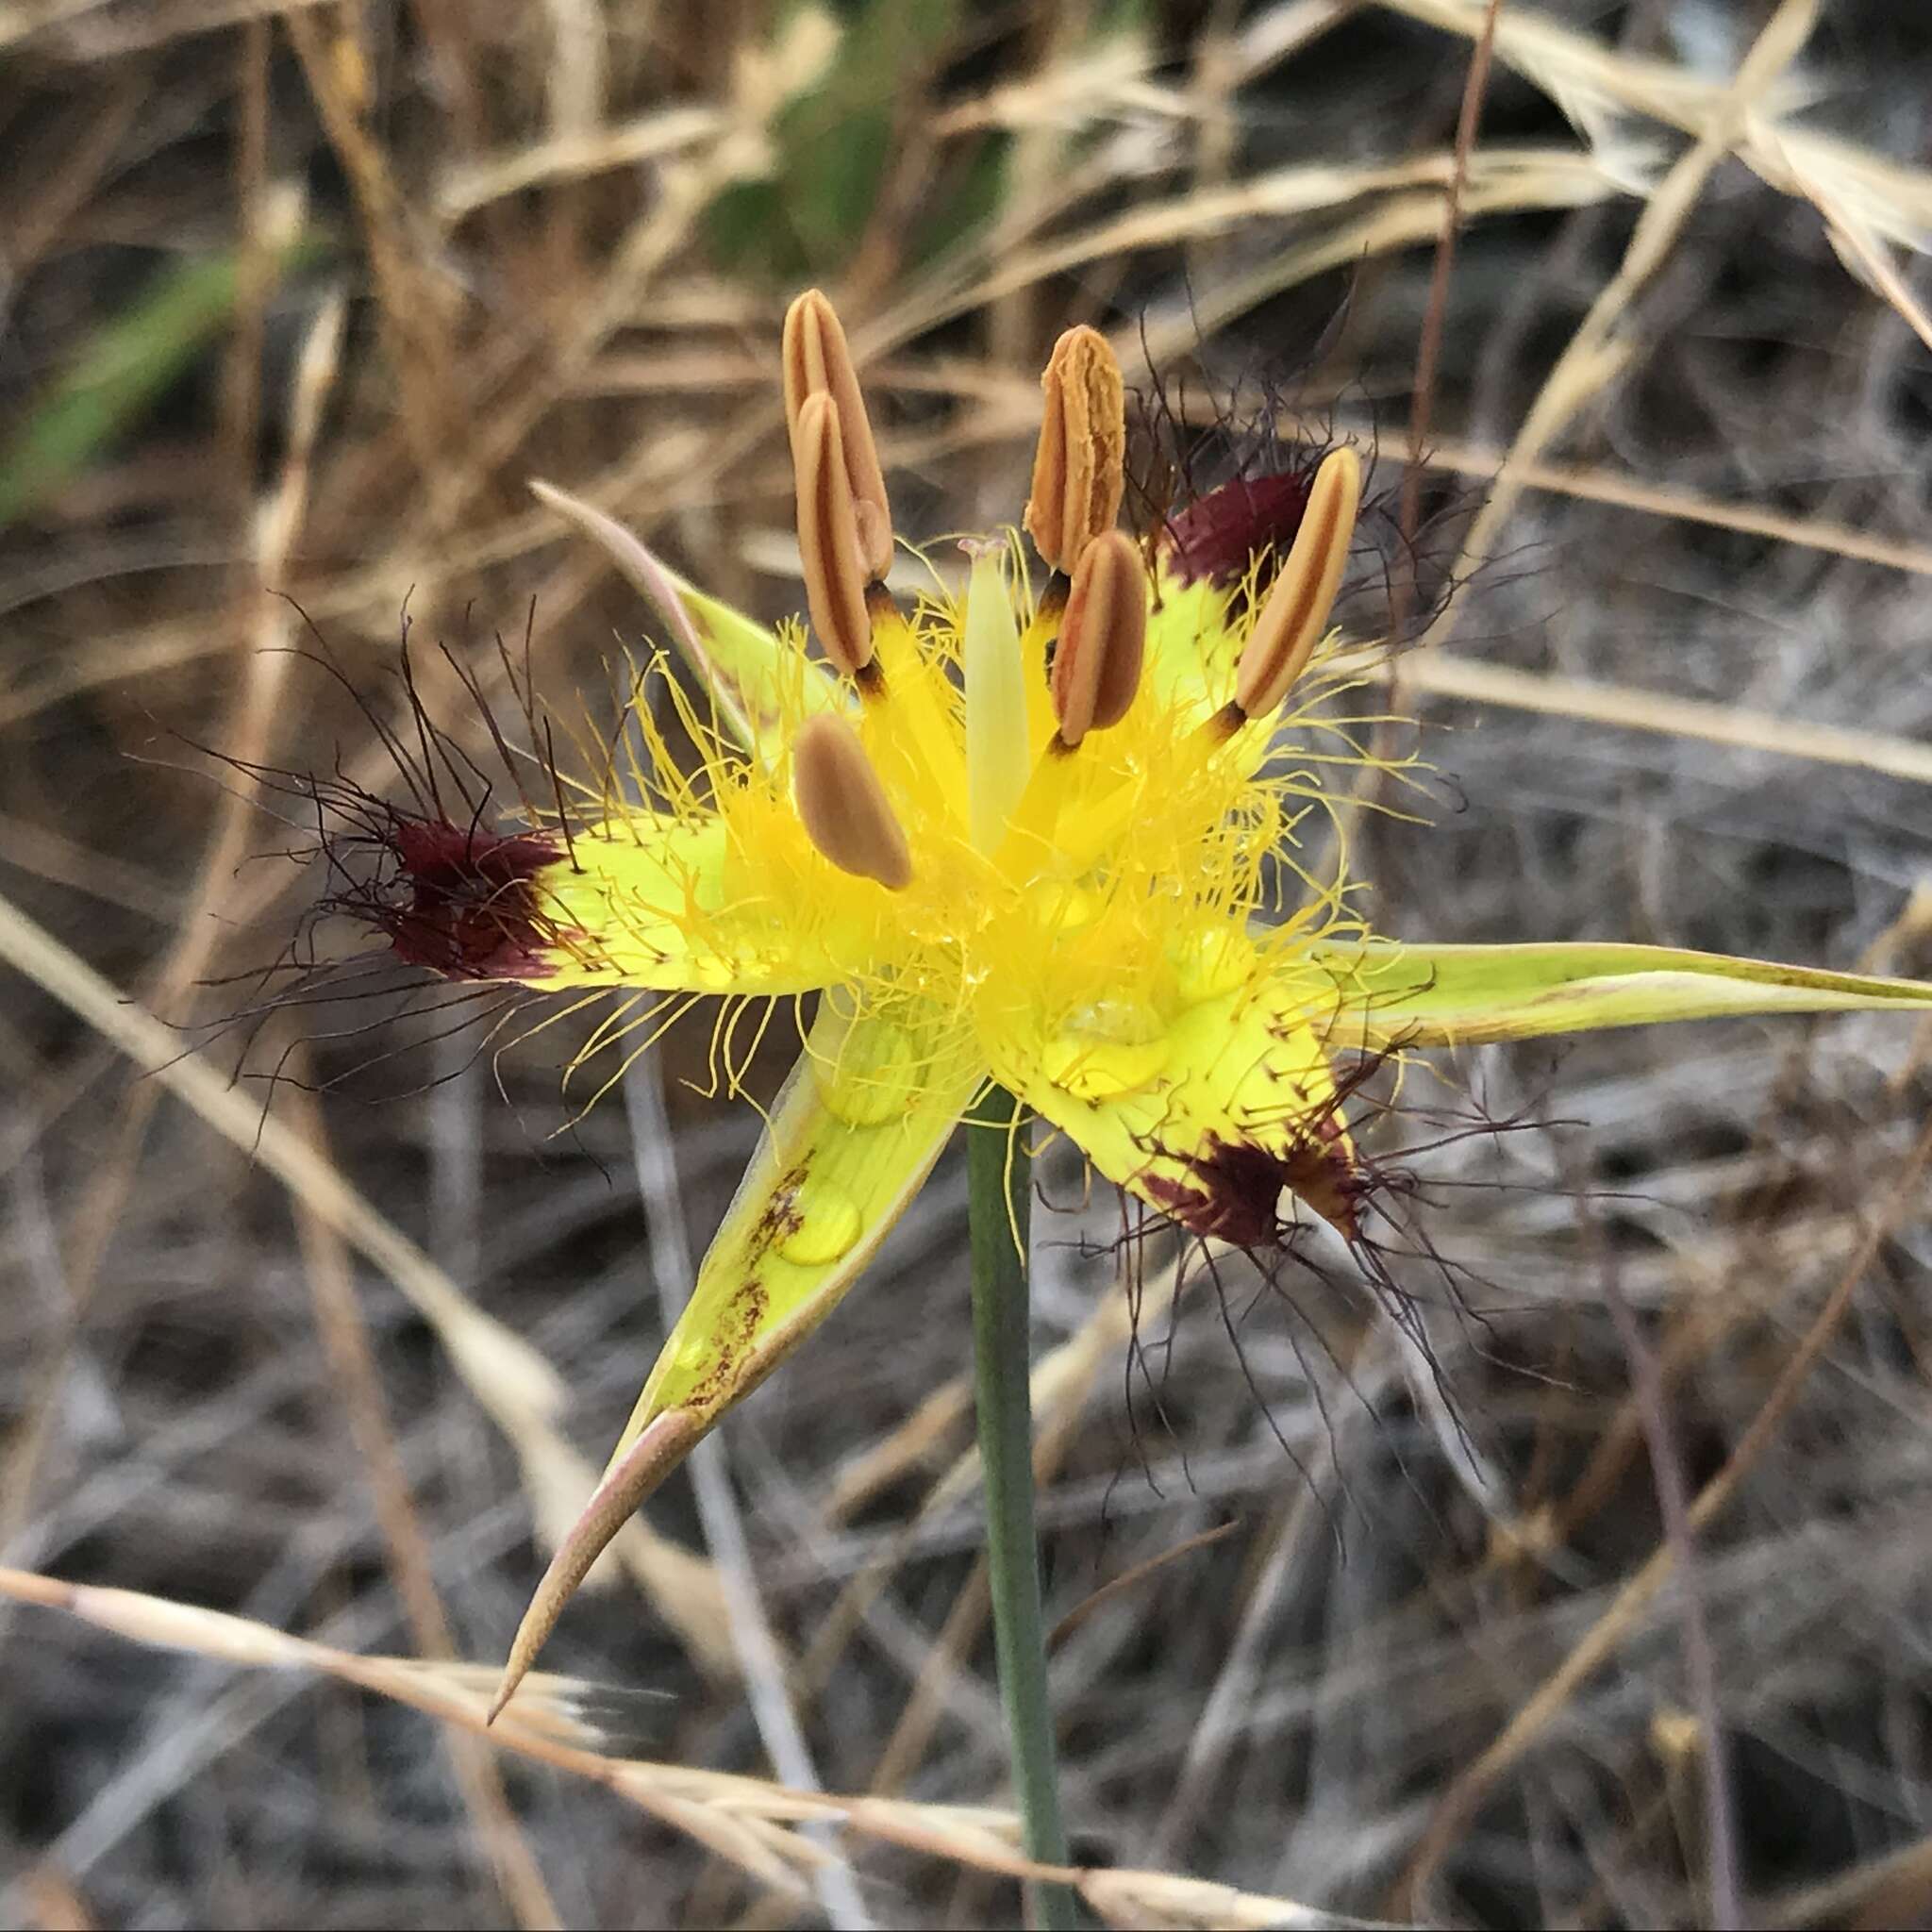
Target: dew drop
(1067, 907)
(1108, 1048)
(875, 1079)
(711, 972)
(1209, 963)
(827, 1225)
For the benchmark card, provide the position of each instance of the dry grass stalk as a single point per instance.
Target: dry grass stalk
(1545, 1704)
(352, 1359)
(260, 645)
(469, 185)
(336, 61)
(1594, 356)
(515, 1386)
(1446, 674)
(1601, 484)
(748, 1821)
(1596, 86)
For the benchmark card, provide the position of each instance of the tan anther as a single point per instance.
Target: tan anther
(1296, 611)
(835, 573)
(1097, 663)
(818, 362)
(1079, 470)
(844, 806)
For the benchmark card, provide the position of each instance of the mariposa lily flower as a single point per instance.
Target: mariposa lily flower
(1049, 841)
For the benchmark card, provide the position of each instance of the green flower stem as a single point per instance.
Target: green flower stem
(997, 1170)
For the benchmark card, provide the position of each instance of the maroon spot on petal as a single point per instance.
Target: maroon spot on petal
(464, 901)
(1233, 1187)
(1217, 536)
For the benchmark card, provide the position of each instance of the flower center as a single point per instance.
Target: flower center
(1012, 776)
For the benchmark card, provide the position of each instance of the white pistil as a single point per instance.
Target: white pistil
(997, 753)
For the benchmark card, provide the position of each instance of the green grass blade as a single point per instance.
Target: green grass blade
(125, 367)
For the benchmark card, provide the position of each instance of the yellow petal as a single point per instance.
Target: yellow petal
(667, 905)
(1428, 995)
(1207, 1112)
(1191, 647)
(851, 1138)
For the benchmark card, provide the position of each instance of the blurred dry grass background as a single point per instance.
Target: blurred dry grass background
(295, 297)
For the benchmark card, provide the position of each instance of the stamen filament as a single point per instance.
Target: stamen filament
(908, 715)
(1030, 831)
(1036, 644)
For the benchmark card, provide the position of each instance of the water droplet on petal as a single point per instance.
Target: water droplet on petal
(711, 973)
(1057, 906)
(875, 1079)
(827, 1225)
(1106, 1048)
(1210, 962)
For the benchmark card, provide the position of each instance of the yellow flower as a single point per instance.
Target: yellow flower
(1048, 841)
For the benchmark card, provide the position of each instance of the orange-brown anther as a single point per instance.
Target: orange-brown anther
(1079, 470)
(1296, 613)
(1097, 663)
(843, 805)
(835, 574)
(818, 362)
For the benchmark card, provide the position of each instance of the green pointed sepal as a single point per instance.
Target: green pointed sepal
(756, 679)
(1396, 996)
(848, 1142)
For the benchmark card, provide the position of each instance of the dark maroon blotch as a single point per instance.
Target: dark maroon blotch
(1217, 536)
(474, 910)
(1235, 1186)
